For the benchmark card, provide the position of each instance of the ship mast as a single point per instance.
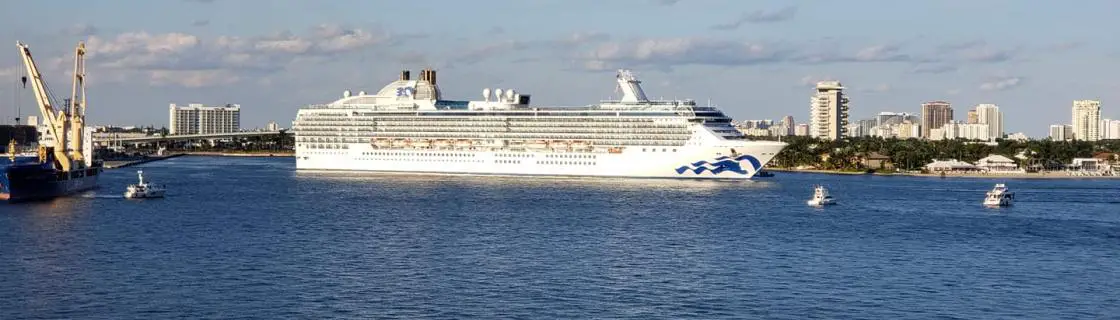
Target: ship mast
(64, 123)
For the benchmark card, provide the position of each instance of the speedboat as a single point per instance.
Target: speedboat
(1000, 196)
(821, 197)
(143, 189)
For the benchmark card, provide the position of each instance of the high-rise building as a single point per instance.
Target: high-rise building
(828, 111)
(934, 115)
(199, 119)
(1087, 120)
(801, 130)
(973, 116)
(908, 129)
(788, 124)
(1058, 132)
(960, 130)
(1114, 129)
(990, 115)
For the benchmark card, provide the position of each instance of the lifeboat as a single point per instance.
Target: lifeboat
(421, 143)
(381, 143)
(442, 143)
(463, 143)
(400, 143)
(580, 145)
(615, 150)
(559, 144)
(536, 144)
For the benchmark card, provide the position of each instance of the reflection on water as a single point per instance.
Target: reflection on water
(500, 181)
(252, 236)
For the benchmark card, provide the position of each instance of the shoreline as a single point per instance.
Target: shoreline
(128, 163)
(1047, 175)
(238, 154)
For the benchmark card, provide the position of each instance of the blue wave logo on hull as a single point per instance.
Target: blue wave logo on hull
(722, 164)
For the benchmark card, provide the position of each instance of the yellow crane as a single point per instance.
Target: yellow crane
(67, 125)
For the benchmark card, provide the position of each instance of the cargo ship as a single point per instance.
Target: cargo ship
(67, 167)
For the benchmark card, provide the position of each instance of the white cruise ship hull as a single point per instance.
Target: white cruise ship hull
(659, 162)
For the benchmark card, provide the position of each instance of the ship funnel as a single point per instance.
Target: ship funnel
(428, 75)
(404, 75)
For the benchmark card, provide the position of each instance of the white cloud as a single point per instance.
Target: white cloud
(189, 60)
(668, 52)
(812, 80)
(1002, 83)
(192, 78)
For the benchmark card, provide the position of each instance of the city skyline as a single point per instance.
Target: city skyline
(755, 60)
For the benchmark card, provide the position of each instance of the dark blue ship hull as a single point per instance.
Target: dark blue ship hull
(33, 181)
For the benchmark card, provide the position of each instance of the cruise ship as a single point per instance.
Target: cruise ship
(408, 127)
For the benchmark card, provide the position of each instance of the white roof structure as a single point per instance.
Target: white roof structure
(997, 162)
(995, 159)
(950, 165)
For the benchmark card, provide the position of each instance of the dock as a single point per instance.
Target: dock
(129, 163)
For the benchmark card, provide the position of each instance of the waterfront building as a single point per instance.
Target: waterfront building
(196, 118)
(828, 111)
(998, 164)
(1086, 120)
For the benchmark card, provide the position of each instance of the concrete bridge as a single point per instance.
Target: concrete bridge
(185, 137)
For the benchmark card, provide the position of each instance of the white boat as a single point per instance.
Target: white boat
(580, 145)
(821, 197)
(382, 143)
(632, 136)
(537, 145)
(442, 143)
(1000, 196)
(463, 143)
(143, 189)
(422, 143)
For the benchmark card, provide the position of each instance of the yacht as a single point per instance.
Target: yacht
(821, 197)
(143, 189)
(1000, 196)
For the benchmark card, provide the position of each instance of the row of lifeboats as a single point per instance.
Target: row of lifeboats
(557, 144)
(421, 143)
(466, 143)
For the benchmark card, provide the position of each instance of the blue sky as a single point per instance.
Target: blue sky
(755, 59)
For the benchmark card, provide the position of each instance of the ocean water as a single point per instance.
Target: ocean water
(253, 238)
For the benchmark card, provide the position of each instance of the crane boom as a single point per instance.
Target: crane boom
(59, 122)
(77, 107)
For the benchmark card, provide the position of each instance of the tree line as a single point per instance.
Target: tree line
(913, 154)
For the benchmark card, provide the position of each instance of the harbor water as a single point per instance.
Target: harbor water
(253, 238)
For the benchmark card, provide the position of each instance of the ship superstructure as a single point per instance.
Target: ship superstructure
(67, 167)
(407, 126)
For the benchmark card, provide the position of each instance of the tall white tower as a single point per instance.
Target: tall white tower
(828, 111)
(990, 115)
(1087, 120)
